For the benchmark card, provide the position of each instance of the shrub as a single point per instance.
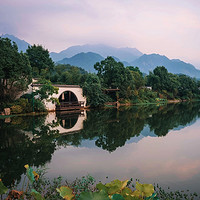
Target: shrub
(39, 106)
(16, 109)
(25, 104)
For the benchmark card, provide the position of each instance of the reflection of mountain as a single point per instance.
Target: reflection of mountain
(183, 126)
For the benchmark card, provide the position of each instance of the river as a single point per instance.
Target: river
(153, 143)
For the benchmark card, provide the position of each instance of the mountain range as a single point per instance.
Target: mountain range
(22, 45)
(124, 54)
(83, 60)
(85, 56)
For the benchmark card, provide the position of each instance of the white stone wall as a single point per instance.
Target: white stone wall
(76, 90)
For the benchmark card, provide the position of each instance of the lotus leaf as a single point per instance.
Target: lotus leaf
(116, 186)
(101, 186)
(37, 195)
(65, 192)
(94, 196)
(126, 191)
(3, 188)
(117, 197)
(145, 189)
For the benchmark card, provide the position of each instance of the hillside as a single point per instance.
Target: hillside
(79, 56)
(147, 63)
(124, 54)
(83, 60)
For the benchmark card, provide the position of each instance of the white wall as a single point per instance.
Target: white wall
(75, 89)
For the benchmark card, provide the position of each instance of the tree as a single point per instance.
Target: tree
(45, 91)
(92, 90)
(137, 76)
(40, 61)
(114, 75)
(15, 70)
(67, 74)
(160, 79)
(188, 86)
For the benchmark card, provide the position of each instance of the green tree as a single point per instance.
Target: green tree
(40, 61)
(92, 90)
(15, 70)
(137, 76)
(67, 74)
(188, 86)
(45, 91)
(114, 75)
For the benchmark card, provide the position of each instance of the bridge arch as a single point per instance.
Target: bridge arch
(68, 96)
(75, 91)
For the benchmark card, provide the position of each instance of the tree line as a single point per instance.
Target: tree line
(130, 85)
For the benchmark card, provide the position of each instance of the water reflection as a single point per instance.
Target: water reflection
(34, 140)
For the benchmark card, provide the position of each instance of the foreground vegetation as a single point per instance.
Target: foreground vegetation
(112, 81)
(36, 186)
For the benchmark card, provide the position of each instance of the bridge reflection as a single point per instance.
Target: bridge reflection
(67, 122)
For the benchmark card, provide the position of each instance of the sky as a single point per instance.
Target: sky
(170, 28)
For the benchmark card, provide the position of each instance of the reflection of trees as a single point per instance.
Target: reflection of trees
(112, 128)
(109, 128)
(172, 116)
(17, 149)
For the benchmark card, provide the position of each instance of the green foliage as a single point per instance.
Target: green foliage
(137, 76)
(117, 197)
(45, 91)
(173, 86)
(15, 70)
(37, 195)
(67, 74)
(40, 61)
(38, 105)
(29, 173)
(118, 190)
(144, 189)
(16, 109)
(94, 196)
(3, 188)
(65, 192)
(92, 90)
(114, 75)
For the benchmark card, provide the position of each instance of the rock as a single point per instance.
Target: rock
(7, 111)
(2, 113)
(7, 120)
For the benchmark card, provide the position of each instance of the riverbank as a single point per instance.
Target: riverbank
(109, 105)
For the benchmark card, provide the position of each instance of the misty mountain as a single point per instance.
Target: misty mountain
(79, 56)
(83, 60)
(124, 54)
(149, 62)
(22, 45)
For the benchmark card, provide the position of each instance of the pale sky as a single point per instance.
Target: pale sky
(167, 27)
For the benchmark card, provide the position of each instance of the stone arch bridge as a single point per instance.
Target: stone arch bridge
(70, 97)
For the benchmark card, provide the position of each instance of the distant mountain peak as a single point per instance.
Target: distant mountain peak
(83, 60)
(124, 54)
(148, 62)
(22, 45)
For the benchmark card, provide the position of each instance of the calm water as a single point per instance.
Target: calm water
(157, 144)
